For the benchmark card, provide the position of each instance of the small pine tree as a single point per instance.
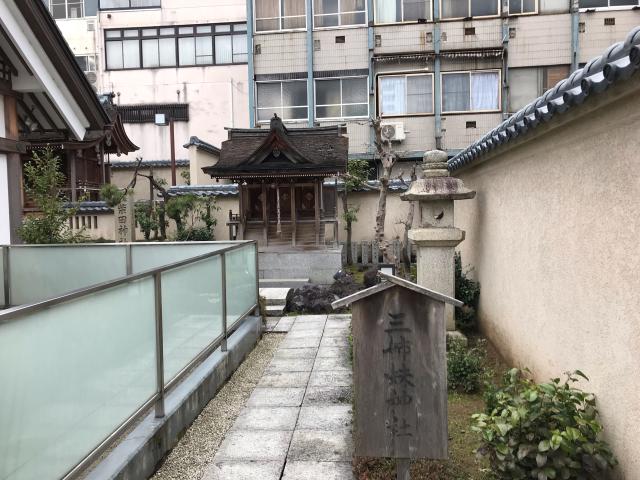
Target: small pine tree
(43, 182)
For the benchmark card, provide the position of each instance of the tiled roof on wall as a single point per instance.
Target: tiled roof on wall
(131, 164)
(619, 62)
(223, 190)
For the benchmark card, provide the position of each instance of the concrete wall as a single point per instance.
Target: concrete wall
(217, 95)
(553, 238)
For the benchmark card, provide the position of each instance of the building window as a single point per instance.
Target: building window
(127, 4)
(273, 15)
(87, 62)
(342, 98)
(608, 3)
(410, 94)
(519, 7)
(220, 44)
(336, 13)
(286, 99)
(469, 8)
(471, 91)
(61, 9)
(402, 11)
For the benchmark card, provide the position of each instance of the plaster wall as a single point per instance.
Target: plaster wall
(596, 34)
(488, 34)
(458, 132)
(553, 239)
(280, 53)
(122, 177)
(364, 228)
(404, 38)
(80, 34)
(541, 40)
(330, 55)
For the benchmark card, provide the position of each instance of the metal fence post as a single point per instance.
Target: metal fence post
(157, 283)
(223, 268)
(6, 277)
(129, 259)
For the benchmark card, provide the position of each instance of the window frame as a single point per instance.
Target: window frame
(609, 8)
(405, 74)
(288, 120)
(340, 13)
(409, 22)
(66, 10)
(279, 17)
(111, 9)
(522, 14)
(91, 59)
(448, 19)
(176, 36)
(341, 104)
(457, 112)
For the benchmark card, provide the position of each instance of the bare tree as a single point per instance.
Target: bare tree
(388, 158)
(408, 223)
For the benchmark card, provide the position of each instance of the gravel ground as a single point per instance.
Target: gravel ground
(188, 459)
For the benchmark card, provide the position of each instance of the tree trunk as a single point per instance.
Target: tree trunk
(348, 227)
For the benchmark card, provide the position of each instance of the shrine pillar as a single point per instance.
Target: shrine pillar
(434, 233)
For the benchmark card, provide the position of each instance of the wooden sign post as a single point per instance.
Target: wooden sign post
(400, 370)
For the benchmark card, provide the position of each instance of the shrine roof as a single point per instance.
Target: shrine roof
(257, 152)
(389, 281)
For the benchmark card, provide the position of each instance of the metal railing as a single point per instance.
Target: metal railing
(22, 313)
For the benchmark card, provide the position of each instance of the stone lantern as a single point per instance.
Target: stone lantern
(435, 235)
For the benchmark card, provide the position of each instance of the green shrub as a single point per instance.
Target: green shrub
(468, 292)
(542, 431)
(465, 366)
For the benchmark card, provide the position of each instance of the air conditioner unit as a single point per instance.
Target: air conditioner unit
(393, 131)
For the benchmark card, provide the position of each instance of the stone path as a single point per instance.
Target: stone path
(297, 422)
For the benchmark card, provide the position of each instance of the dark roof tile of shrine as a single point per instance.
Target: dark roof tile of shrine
(619, 62)
(131, 164)
(202, 145)
(281, 151)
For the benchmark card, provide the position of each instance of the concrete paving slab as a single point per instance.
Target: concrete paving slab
(270, 324)
(332, 364)
(321, 446)
(254, 445)
(318, 471)
(325, 417)
(327, 396)
(338, 322)
(296, 353)
(327, 352)
(290, 365)
(275, 296)
(336, 332)
(308, 325)
(334, 342)
(243, 471)
(285, 379)
(301, 342)
(267, 418)
(330, 379)
(312, 333)
(312, 317)
(276, 397)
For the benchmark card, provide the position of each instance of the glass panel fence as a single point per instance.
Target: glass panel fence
(38, 273)
(241, 282)
(71, 374)
(191, 312)
(2, 253)
(148, 256)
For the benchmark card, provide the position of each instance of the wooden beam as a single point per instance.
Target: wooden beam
(8, 145)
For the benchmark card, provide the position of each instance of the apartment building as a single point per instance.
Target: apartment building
(438, 73)
(186, 59)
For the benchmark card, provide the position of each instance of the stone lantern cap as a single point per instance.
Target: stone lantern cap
(437, 183)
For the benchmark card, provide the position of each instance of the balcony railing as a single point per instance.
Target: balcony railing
(79, 367)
